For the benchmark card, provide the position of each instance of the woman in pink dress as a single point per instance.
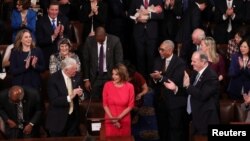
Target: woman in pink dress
(118, 100)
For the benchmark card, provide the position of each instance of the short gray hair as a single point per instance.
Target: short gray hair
(68, 62)
(202, 55)
(169, 43)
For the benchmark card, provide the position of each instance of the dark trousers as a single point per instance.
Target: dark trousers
(97, 85)
(71, 128)
(16, 133)
(145, 54)
(172, 123)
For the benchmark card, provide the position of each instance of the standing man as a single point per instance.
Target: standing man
(171, 105)
(20, 109)
(145, 34)
(191, 20)
(203, 94)
(63, 114)
(101, 53)
(49, 29)
(197, 36)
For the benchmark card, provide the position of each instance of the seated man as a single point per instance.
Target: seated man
(20, 109)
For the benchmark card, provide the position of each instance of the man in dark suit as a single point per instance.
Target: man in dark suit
(63, 114)
(20, 109)
(203, 94)
(228, 18)
(190, 21)
(49, 29)
(145, 34)
(171, 106)
(98, 66)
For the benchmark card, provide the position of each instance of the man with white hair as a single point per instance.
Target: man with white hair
(197, 36)
(64, 92)
(203, 94)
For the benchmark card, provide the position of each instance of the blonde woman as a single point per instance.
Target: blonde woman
(26, 61)
(216, 62)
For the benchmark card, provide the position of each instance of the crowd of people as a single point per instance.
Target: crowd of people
(142, 59)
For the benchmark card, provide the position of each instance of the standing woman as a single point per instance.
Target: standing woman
(118, 100)
(239, 71)
(216, 61)
(64, 47)
(23, 17)
(26, 61)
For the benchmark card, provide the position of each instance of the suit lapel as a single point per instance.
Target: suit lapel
(108, 50)
(63, 84)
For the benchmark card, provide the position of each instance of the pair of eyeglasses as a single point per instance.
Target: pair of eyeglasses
(161, 49)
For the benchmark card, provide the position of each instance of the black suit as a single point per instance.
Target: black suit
(204, 101)
(221, 34)
(145, 37)
(114, 55)
(32, 112)
(44, 31)
(190, 21)
(58, 119)
(98, 20)
(170, 108)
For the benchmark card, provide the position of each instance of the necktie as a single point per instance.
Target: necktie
(101, 55)
(70, 90)
(20, 115)
(166, 64)
(146, 4)
(185, 4)
(53, 23)
(189, 111)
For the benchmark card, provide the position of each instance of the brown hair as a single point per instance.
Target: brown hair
(122, 71)
(18, 44)
(25, 3)
(64, 41)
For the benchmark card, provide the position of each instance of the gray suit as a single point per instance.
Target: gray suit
(114, 55)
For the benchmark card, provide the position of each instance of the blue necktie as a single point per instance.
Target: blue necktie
(53, 23)
(189, 111)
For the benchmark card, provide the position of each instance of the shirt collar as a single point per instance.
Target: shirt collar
(52, 19)
(104, 43)
(169, 58)
(202, 70)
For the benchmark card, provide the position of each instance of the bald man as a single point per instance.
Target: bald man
(97, 66)
(20, 108)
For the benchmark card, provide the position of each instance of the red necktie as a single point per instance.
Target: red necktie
(146, 4)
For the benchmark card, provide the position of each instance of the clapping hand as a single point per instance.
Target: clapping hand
(34, 61)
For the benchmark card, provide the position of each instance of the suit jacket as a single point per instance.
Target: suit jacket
(59, 106)
(32, 110)
(174, 72)
(44, 30)
(151, 27)
(222, 25)
(98, 20)
(114, 55)
(204, 100)
(16, 22)
(190, 21)
(238, 78)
